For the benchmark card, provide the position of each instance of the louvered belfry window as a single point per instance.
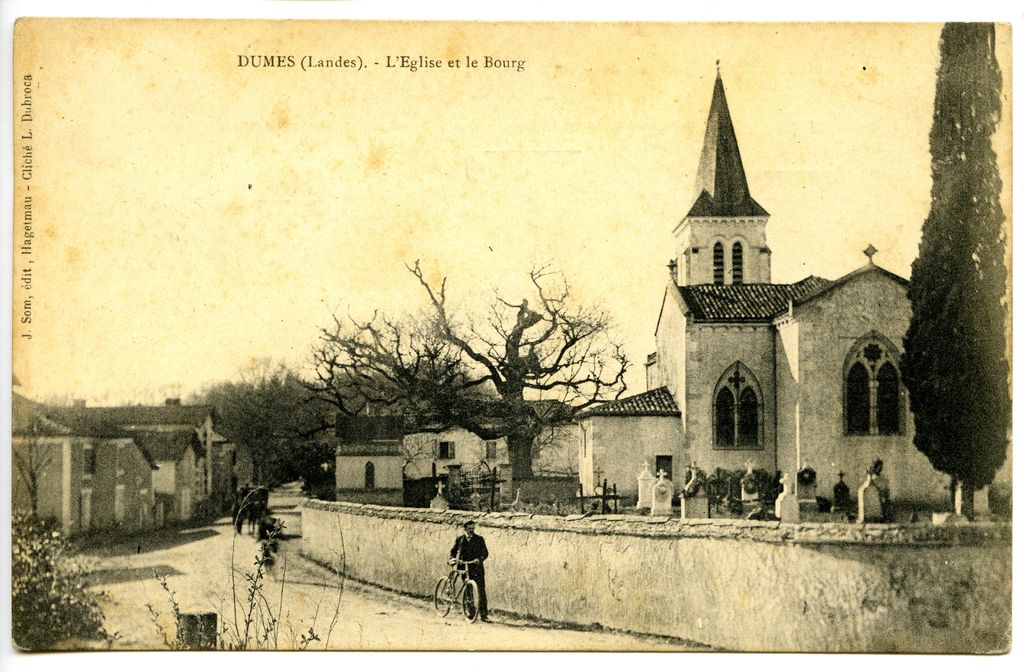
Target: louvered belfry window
(719, 262)
(737, 263)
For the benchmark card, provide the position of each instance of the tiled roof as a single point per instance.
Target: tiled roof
(29, 417)
(133, 416)
(364, 428)
(165, 446)
(721, 182)
(758, 302)
(653, 402)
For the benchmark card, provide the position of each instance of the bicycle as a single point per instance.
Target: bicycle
(458, 588)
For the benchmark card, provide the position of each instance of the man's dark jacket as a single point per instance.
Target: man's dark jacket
(466, 549)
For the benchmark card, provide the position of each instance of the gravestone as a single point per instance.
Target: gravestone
(957, 517)
(748, 485)
(807, 490)
(869, 502)
(662, 496)
(841, 502)
(806, 484)
(197, 632)
(644, 488)
(693, 500)
(505, 490)
(439, 502)
(981, 505)
(787, 508)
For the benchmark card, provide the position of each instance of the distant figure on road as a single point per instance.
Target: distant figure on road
(236, 512)
(468, 547)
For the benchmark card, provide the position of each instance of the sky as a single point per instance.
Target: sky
(192, 216)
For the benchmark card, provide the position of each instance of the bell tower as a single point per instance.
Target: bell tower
(722, 240)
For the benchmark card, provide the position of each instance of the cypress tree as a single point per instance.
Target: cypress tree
(954, 363)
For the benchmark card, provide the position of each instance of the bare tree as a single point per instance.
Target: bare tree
(32, 457)
(524, 366)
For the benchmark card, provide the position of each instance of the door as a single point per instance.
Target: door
(86, 510)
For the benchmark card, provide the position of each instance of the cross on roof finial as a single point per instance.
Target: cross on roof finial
(718, 67)
(870, 252)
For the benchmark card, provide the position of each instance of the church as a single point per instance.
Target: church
(751, 372)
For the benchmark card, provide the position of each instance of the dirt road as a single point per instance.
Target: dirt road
(197, 565)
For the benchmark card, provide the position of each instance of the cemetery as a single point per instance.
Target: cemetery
(733, 559)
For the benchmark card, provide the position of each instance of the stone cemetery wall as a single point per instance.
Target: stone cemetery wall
(734, 584)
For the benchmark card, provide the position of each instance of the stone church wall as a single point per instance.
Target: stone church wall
(740, 585)
(828, 329)
(710, 351)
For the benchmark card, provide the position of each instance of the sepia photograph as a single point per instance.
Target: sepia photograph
(511, 336)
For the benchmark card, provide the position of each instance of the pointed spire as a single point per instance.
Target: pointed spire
(721, 189)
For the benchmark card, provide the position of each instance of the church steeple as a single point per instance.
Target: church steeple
(722, 240)
(721, 189)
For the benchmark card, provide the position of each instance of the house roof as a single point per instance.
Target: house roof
(365, 428)
(721, 188)
(755, 302)
(657, 402)
(165, 446)
(30, 417)
(134, 416)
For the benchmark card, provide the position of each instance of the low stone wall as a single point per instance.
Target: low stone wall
(734, 584)
(384, 496)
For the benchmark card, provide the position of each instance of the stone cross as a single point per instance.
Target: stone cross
(439, 502)
(661, 475)
(736, 379)
(787, 508)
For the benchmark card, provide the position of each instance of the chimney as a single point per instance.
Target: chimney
(173, 401)
(79, 403)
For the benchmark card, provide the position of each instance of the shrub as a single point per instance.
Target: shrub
(50, 606)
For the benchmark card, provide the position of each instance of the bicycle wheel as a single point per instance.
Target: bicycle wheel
(470, 601)
(443, 597)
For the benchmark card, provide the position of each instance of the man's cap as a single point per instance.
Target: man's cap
(468, 523)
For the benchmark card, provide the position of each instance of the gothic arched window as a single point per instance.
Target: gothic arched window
(724, 415)
(719, 262)
(738, 410)
(858, 403)
(873, 399)
(888, 410)
(737, 263)
(369, 476)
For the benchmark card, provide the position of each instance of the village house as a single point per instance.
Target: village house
(755, 373)
(197, 462)
(377, 455)
(86, 475)
(178, 479)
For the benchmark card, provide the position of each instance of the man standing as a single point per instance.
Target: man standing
(470, 548)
